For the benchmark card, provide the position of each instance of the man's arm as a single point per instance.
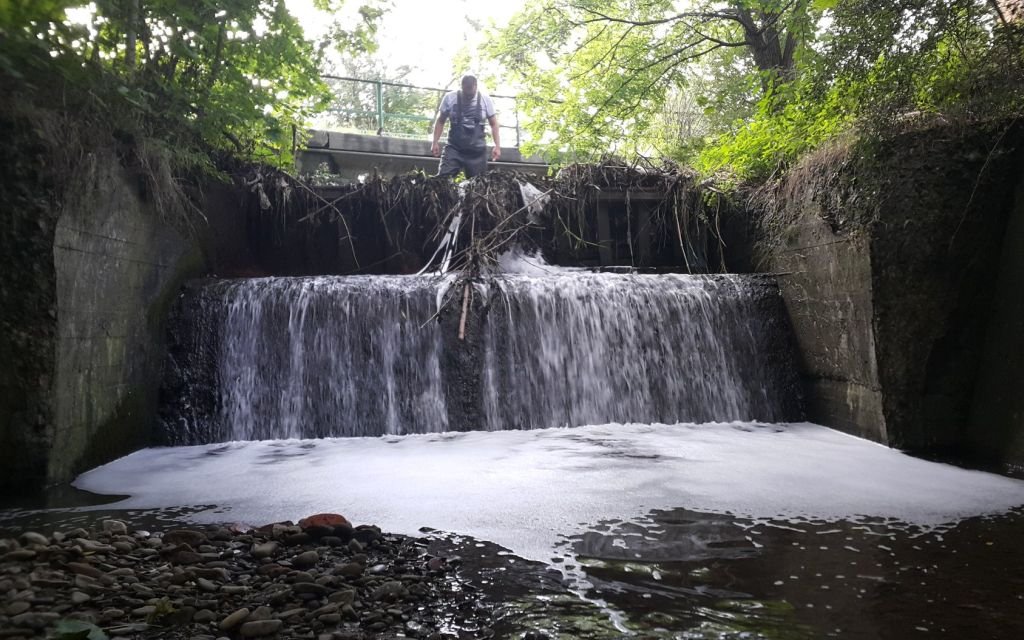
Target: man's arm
(496, 152)
(435, 148)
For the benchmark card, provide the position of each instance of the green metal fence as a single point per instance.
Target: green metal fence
(399, 110)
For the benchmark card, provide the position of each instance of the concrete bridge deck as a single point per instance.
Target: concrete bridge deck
(351, 154)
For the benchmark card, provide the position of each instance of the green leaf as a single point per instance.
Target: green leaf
(78, 630)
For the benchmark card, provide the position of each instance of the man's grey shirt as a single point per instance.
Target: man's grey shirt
(480, 101)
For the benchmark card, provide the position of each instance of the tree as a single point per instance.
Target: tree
(230, 74)
(608, 61)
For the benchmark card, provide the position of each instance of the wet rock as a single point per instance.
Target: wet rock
(389, 590)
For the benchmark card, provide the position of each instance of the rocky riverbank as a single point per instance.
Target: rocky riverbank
(320, 579)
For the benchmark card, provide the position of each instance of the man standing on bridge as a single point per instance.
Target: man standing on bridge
(466, 148)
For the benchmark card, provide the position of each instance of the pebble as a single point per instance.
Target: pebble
(203, 616)
(184, 536)
(265, 550)
(185, 583)
(350, 570)
(233, 619)
(260, 628)
(84, 569)
(16, 608)
(306, 559)
(115, 527)
(31, 537)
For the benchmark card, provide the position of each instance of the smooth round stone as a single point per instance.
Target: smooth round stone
(305, 560)
(265, 550)
(115, 527)
(259, 628)
(232, 620)
(77, 597)
(203, 616)
(350, 570)
(16, 608)
(31, 537)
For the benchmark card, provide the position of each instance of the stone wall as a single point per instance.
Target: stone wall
(889, 258)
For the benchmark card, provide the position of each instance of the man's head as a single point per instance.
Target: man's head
(469, 86)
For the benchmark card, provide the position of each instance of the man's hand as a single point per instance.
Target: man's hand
(495, 153)
(435, 149)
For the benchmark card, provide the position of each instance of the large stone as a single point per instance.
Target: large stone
(325, 524)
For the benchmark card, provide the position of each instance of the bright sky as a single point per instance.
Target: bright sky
(423, 35)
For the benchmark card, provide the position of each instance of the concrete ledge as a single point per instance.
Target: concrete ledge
(350, 155)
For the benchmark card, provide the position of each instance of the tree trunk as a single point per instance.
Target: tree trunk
(132, 31)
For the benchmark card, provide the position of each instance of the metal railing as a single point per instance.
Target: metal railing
(398, 110)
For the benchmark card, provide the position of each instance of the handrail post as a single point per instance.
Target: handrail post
(380, 107)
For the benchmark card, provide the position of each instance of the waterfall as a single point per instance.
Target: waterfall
(371, 355)
(596, 348)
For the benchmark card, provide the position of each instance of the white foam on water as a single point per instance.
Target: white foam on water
(524, 490)
(518, 261)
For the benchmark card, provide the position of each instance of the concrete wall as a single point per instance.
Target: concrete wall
(27, 311)
(902, 279)
(825, 280)
(118, 267)
(997, 416)
(88, 283)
